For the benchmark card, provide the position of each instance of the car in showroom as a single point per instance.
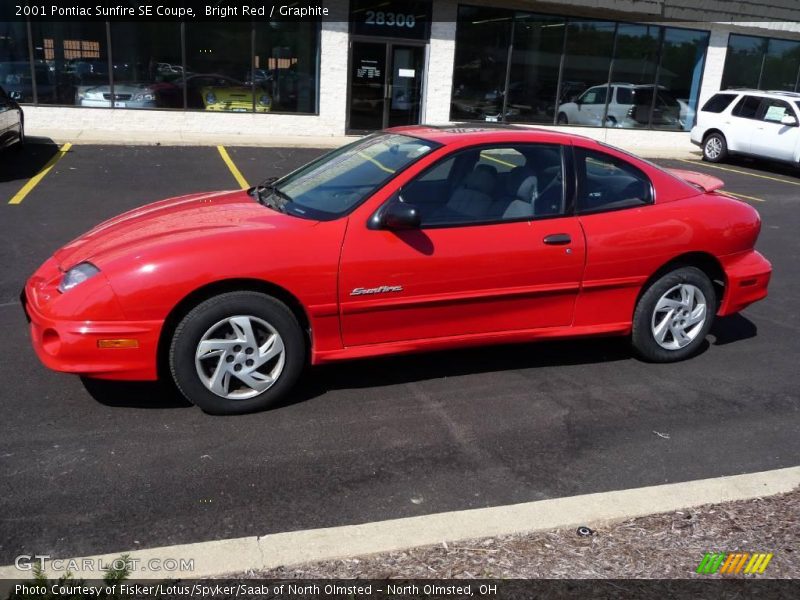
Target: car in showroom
(413, 239)
(12, 122)
(629, 106)
(751, 123)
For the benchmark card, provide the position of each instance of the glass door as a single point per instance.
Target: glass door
(405, 86)
(385, 85)
(367, 86)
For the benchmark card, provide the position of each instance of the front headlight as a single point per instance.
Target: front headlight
(77, 275)
(144, 97)
(211, 98)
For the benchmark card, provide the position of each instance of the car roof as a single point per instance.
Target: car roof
(763, 93)
(466, 133)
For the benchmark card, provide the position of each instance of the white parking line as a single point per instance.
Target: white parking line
(223, 557)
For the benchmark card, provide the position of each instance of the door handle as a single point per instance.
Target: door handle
(557, 239)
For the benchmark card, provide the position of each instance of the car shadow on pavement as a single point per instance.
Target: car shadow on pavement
(759, 164)
(28, 161)
(134, 394)
(733, 328)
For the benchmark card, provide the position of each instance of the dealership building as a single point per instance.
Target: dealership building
(616, 69)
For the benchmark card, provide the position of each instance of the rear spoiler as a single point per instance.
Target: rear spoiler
(707, 183)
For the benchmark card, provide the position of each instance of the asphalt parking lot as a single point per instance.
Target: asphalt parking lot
(96, 468)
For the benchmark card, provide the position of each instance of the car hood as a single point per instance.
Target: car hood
(175, 219)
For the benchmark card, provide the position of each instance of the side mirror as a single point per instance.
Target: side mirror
(399, 215)
(789, 120)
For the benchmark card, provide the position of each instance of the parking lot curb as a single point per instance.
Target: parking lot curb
(254, 553)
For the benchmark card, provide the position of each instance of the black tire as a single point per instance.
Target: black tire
(204, 316)
(642, 336)
(715, 148)
(562, 119)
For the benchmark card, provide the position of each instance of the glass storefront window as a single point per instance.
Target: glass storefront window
(15, 67)
(743, 61)
(590, 45)
(218, 69)
(683, 56)
(633, 73)
(479, 75)
(535, 64)
(147, 68)
(285, 65)
(781, 65)
(69, 58)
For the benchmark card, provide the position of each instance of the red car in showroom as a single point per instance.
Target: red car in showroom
(412, 239)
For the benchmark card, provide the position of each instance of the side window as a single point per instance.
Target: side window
(624, 95)
(490, 185)
(608, 183)
(595, 95)
(747, 108)
(775, 110)
(718, 102)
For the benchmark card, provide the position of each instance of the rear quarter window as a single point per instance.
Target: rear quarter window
(747, 107)
(718, 102)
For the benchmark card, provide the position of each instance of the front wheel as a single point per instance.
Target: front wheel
(674, 315)
(237, 352)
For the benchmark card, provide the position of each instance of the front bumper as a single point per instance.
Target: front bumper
(71, 346)
(748, 276)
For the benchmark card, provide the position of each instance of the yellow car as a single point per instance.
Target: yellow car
(229, 95)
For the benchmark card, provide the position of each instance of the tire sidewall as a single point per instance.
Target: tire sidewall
(197, 322)
(642, 336)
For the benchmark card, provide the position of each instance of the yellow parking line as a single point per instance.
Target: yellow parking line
(742, 196)
(34, 181)
(376, 162)
(237, 174)
(704, 164)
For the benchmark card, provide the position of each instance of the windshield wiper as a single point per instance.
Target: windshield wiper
(269, 195)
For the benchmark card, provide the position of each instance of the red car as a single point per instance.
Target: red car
(416, 238)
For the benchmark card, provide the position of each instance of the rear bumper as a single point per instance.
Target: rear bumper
(72, 346)
(748, 276)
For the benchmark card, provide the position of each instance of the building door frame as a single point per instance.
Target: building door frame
(389, 43)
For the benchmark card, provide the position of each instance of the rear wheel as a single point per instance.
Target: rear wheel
(674, 315)
(715, 148)
(237, 352)
(562, 119)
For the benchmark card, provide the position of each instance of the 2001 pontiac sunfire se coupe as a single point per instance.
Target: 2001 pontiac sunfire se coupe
(416, 238)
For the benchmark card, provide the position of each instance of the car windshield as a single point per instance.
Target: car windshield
(336, 183)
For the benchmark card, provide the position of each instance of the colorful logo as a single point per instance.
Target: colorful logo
(733, 563)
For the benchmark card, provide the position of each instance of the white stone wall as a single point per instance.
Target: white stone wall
(715, 62)
(439, 78)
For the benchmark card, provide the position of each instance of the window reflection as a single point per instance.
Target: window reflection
(743, 61)
(482, 41)
(15, 68)
(781, 65)
(285, 65)
(683, 56)
(72, 57)
(587, 60)
(218, 69)
(535, 62)
(147, 68)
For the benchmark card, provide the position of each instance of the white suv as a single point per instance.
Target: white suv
(762, 124)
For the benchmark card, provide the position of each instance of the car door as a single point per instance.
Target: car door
(741, 125)
(772, 138)
(497, 252)
(591, 106)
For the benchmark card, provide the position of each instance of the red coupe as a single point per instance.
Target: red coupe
(412, 239)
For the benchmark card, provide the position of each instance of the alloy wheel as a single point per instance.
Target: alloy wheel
(679, 316)
(713, 147)
(240, 357)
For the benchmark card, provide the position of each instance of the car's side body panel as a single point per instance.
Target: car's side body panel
(367, 291)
